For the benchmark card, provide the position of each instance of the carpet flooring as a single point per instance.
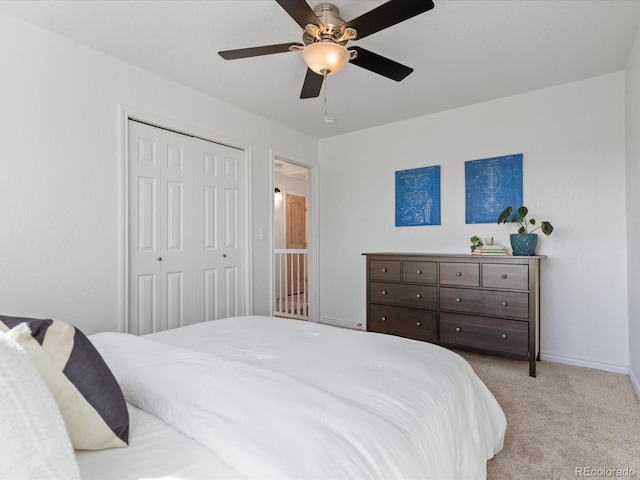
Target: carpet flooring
(568, 422)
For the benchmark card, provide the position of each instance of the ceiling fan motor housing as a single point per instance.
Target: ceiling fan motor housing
(329, 15)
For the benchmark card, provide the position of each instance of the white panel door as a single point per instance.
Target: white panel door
(186, 230)
(161, 290)
(219, 250)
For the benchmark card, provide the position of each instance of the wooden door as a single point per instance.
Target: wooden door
(296, 221)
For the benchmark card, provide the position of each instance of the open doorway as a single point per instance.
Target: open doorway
(291, 230)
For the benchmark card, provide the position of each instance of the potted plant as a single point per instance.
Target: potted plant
(475, 243)
(525, 241)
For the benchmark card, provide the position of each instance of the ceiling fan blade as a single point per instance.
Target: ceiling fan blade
(312, 84)
(387, 15)
(380, 65)
(301, 12)
(257, 51)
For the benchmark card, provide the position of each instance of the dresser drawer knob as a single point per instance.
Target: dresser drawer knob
(504, 304)
(458, 274)
(504, 335)
(504, 275)
(458, 299)
(384, 292)
(419, 272)
(384, 319)
(419, 295)
(458, 329)
(384, 269)
(418, 323)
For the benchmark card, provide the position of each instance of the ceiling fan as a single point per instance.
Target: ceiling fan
(325, 35)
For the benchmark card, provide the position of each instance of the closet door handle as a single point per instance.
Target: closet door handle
(159, 259)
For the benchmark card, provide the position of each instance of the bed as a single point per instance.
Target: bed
(263, 397)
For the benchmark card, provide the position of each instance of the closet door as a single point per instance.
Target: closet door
(187, 236)
(161, 276)
(219, 249)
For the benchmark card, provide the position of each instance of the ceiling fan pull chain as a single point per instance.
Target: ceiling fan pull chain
(327, 118)
(324, 82)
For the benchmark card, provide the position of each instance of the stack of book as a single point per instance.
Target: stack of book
(489, 250)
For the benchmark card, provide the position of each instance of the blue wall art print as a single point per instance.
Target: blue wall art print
(491, 185)
(418, 197)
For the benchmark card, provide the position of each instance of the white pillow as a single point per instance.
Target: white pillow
(33, 438)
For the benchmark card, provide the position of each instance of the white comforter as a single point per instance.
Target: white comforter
(278, 398)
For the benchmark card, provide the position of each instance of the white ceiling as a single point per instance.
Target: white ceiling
(287, 169)
(463, 52)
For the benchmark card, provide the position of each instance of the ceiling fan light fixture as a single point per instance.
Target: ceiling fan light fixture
(325, 57)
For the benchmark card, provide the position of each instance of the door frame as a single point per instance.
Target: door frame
(127, 113)
(312, 236)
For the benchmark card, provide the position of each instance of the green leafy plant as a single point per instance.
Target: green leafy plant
(475, 242)
(524, 224)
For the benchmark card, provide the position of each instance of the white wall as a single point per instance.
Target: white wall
(632, 83)
(572, 138)
(60, 172)
(60, 193)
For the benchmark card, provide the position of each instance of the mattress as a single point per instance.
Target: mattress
(263, 397)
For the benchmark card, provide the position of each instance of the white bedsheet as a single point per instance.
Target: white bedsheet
(278, 398)
(156, 451)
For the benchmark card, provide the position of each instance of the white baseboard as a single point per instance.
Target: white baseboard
(578, 362)
(343, 323)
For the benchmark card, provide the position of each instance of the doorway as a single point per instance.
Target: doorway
(291, 240)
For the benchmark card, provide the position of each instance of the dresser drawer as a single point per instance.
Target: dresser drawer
(420, 296)
(384, 270)
(490, 302)
(464, 274)
(420, 272)
(402, 321)
(496, 335)
(497, 275)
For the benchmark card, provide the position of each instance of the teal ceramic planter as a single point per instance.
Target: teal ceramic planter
(524, 244)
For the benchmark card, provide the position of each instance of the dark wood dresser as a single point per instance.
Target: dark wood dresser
(487, 304)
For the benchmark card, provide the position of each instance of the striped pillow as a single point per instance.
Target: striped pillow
(89, 397)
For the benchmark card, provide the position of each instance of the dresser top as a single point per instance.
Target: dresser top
(450, 255)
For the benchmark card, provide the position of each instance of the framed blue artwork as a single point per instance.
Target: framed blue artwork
(491, 185)
(418, 196)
